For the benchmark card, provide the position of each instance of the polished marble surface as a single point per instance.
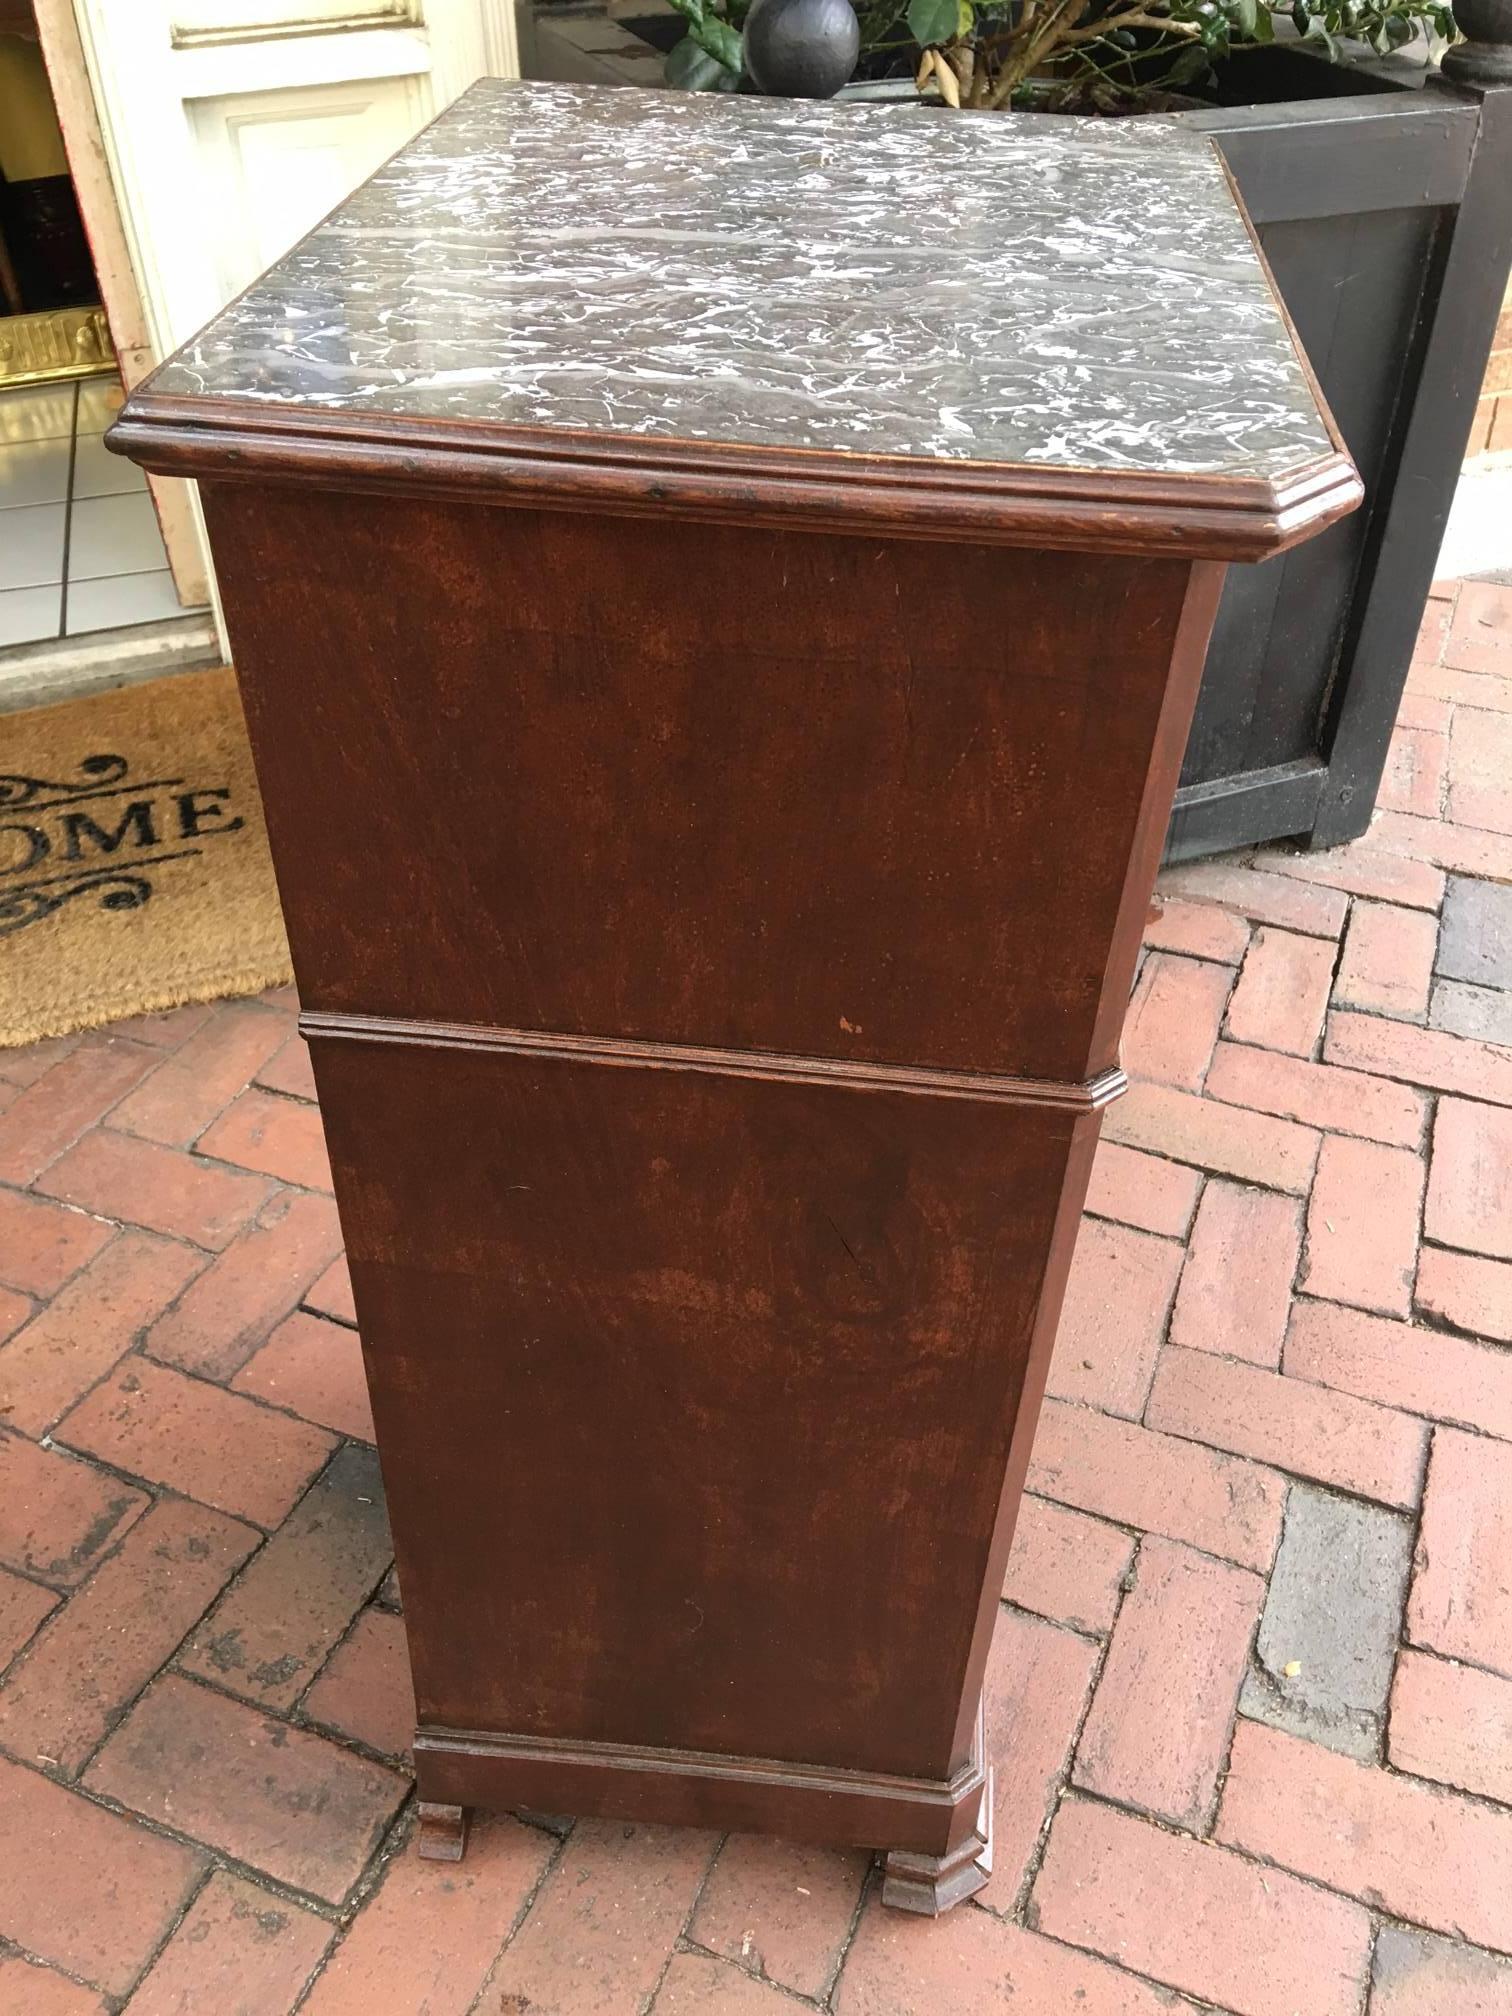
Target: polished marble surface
(883, 280)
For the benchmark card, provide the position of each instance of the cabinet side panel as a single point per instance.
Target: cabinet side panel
(869, 799)
(695, 1391)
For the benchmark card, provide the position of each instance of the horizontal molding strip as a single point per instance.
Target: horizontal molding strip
(993, 1088)
(1140, 512)
(707, 1764)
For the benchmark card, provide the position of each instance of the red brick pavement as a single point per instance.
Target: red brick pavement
(1251, 1693)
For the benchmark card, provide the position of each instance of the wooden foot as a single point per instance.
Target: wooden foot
(933, 1883)
(443, 1832)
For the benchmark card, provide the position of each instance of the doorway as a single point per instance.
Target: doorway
(81, 547)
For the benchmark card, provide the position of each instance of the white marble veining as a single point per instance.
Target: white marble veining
(874, 279)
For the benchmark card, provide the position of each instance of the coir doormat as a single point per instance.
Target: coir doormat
(134, 869)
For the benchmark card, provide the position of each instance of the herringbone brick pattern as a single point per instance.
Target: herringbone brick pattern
(1251, 1692)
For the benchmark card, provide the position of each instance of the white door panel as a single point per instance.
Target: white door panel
(216, 110)
(275, 162)
(232, 126)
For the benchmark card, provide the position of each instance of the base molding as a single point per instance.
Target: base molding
(931, 1884)
(923, 1817)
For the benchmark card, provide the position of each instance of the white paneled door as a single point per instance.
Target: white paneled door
(232, 126)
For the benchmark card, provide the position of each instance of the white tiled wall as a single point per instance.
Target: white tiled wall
(80, 547)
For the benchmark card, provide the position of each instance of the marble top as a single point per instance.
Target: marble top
(877, 280)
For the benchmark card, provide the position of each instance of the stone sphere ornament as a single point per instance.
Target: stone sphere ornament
(1484, 57)
(801, 48)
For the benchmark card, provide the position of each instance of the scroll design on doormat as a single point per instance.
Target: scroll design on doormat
(147, 825)
(99, 772)
(119, 891)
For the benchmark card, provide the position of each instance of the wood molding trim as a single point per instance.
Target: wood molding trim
(1114, 511)
(989, 1088)
(928, 1816)
(933, 1884)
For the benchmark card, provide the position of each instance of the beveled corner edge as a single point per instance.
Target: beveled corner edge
(1278, 301)
(1195, 516)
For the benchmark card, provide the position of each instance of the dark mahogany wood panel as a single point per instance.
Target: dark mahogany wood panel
(638, 1337)
(714, 961)
(847, 797)
(716, 810)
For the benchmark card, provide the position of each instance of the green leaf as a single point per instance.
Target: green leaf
(933, 21)
(721, 42)
(965, 17)
(689, 68)
(1244, 14)
(1189, 65)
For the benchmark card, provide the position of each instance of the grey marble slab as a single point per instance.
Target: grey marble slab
(875, 279)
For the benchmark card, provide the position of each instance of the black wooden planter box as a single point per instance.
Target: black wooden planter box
(1382, 194)
(1383, 199)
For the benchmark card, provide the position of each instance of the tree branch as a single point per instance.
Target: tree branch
(1136, 19)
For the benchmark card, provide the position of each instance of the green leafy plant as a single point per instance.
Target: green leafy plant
(1082, 55)
(708, 58)
(1105, 55)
